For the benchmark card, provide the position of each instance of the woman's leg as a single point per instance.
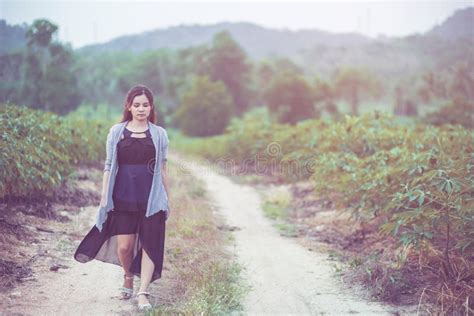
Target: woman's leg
(147, 268)
(125, 253)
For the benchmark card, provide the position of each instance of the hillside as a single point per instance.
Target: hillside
(258, 42)
(459, 26)
(318, 52)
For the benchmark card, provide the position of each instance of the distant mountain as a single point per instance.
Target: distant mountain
(260, 42)
(257, 41)
(459, 25)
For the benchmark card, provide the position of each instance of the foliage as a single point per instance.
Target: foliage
(249, 134)
(41, 76)
(419, 179)
(206, 108)
(404, 104)
(227, 63)
(452, 83)
(324, 96)
(40, 33)
(458, 111)
(96, 112)
(10, 76)
(290, 99)
(40, 148)
(355, 85)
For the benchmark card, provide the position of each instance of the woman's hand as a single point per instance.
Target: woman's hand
(169, 210)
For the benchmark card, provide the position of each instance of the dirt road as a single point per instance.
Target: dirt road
(286, 278)
(76, 288)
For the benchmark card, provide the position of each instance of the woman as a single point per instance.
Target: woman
(134, 207)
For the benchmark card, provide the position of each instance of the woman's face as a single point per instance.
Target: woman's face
(140, 108)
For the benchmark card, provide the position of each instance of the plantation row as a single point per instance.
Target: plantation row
(417, 180)
(39, 149)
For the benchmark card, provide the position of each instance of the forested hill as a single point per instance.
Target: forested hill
(257, 41)
(260, 42)
(460, 25)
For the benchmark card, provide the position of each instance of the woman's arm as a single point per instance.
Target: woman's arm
(105, 181)
(107, 166)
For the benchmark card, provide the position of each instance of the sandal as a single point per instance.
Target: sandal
(125, 291)
(146, 306)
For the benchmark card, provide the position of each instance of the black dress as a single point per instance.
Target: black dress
(136, 159)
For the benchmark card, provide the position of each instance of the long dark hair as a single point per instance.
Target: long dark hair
(131, 94)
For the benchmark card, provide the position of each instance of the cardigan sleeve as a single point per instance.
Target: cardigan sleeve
(108, 149)
(164, 146)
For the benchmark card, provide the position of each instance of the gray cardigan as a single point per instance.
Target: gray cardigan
(158, 199)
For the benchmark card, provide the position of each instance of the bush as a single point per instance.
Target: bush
(40, 148)
(457, 112)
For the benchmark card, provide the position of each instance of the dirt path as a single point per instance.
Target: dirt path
(77, 289)
(286, 278)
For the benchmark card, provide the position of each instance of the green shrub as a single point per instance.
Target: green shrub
(40, 148)
(419, 178)
(456, 112)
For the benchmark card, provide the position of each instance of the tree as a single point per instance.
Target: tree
(264, 73)
(354, 85)
(227, 63)
(40, 33)
(290, 100)
(286, 66)
(31, 79)
(458, 111)
(267, 70)
(454, 83)
(206, 108)
(10, 77)
(47, 80)
(39, 36)
(324, 96)
(405, 104)
(462, 84)
(433, 85)
(59, 92)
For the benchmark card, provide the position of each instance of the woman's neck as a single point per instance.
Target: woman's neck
(137, 125)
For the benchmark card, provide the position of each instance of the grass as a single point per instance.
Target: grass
(216, 290)
(277, 206)
(64, 245)
(201, 277)
(287, 229)
(276, 203)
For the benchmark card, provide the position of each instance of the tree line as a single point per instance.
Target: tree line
(200, 89)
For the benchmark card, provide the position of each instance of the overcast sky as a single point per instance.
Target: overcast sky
(87, 22)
